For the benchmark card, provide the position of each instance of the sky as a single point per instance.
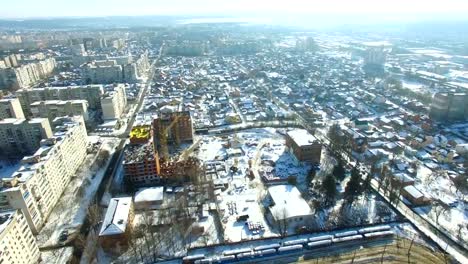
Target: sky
(13, 9)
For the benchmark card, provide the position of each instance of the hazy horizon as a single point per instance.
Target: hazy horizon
(396, 10)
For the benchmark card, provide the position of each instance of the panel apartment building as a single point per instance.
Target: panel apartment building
(16, 239)
(36, 187)
(55, 108)
(90, 93)
(21, 136)
(10, 108)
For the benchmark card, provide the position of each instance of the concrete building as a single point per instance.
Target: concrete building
(10, 108)
(107, 71)
(116, 227)
(36, 187)
(26, 75)
(113, 103)
(375, 55)
(141, 160)
(112, 70)
(304, 146)
(90, 93)
(16, 239)
(54, 108)
(448, 107)
(288, 207)
(21, 136)
(175, 126)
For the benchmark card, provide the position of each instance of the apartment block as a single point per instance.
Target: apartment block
(21, 136)
(113, 102)
(54, 108)
(90, 93)
(26, 75)
(17, 242)
(37, 185)
(449, 107)
(10, 108)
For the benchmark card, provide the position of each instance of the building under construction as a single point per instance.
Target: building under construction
(172, 128)
(176, 127)
(141, 159)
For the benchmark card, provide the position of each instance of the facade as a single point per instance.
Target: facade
(21, 136)
(113, 103)
(449, 107)
(10, 108)
(288, 206)
(90, 93)
(117, 223)
(112, 70)
(16, 239)
(304, 146)
(36, 187)
(26, 75)
(53, 108)
(175, 126)
(141, 160)
(107, 71)
(375, 55)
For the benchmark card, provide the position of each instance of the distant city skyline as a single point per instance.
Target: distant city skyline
(389, 10)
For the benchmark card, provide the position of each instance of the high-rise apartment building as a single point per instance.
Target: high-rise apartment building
(17, 242)
(449, 107)
(21, 136)
(26, 75)
(54, 108)
(10, 108)
(36, 187)
(113, 102)
(90, 93)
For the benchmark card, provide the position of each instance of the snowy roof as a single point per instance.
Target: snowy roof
(414, 192)
(301, 137)
(116, 219)
(149, 194)
(288, 202)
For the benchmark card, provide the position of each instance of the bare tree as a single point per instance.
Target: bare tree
(383, 253)
(438, 209)
(281, 221)
(409, 249)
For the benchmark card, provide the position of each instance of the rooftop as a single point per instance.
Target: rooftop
(149, 194)
(301, 137)
(288, 202)
(116, 219)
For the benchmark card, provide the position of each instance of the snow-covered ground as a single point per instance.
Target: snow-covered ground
(453, 218)
(70, 212)
(244, 196)
(57, 256)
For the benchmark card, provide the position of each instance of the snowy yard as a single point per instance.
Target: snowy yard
(240, 152)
